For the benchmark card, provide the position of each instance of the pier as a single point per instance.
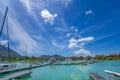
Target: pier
(95, 76)
(17, 75)
(114, 73)
(21, 68)
(33, 66)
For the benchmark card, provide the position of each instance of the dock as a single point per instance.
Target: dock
(95, 76)
(111, 72)
(17, 75)
(21, 68)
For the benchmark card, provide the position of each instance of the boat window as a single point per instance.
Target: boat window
(5, 65)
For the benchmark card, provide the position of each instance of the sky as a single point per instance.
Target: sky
(64, 27)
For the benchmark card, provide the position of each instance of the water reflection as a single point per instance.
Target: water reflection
(52, 67)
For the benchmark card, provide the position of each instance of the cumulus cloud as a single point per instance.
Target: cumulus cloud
(88, 12)
(3, 42)
(82, 44)
(85, 39)
(68, 34)
(48, 17)
(72, 43)
(82, 52)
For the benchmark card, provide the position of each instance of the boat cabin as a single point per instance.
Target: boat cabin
(7, 66)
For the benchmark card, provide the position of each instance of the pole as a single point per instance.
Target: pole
(3, 21)
(8, 39)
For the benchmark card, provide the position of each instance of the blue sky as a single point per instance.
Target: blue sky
(65, 27)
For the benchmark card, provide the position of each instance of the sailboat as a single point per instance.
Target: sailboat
(6, 66)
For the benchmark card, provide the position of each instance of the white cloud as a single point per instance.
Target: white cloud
(85, 39)
(64, 2)
(27, 4)
(48, 17)
(76, 30)
(72, 43)
(68, 34)
(20, 36)
(3, 42)
(82, 44)
(31, 7)
(82, 52)
(88, 12)
(67, 2)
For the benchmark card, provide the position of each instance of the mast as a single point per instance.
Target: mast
(26, 53)
(6, 19)
(8, 39)
(3, 21)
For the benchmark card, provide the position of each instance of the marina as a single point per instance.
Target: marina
(35, 66)
(59, 40)
(70, 72)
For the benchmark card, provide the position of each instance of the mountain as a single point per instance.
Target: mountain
(47, 57)
(57, 56)
(4, 53)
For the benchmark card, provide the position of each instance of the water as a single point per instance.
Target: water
(72, 72)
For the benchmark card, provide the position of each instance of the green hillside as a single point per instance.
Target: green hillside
(4, 53)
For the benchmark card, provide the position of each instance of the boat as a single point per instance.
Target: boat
(7, 66)
(52, 61)
(4, 66)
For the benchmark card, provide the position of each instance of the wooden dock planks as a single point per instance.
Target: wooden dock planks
(95, 76)
(17, 75)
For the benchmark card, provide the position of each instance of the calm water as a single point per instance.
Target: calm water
(73, 72)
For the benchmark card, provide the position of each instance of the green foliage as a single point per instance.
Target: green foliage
(107, 57)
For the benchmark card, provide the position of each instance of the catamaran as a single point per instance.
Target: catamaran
(2, 65)
(7, 66)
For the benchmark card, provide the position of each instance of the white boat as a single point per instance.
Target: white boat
(7, 66)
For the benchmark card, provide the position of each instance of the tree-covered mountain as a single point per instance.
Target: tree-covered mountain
(4, 53)
(47, 57)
